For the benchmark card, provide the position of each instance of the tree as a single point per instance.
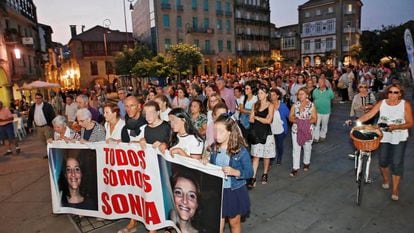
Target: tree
(355, 52)
(184, 57)
(158, 66)
(126, 60)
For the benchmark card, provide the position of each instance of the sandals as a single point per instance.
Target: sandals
(264, 178)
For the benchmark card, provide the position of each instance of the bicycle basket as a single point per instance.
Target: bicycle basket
(366, 145)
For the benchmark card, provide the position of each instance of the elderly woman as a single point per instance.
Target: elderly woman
(62, 131)
(91, 131)
(114, 123)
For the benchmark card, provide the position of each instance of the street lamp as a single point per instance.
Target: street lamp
(106, 24)
(17, 53)
(131, 7)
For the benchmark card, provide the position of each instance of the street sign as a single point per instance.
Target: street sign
(27, 40)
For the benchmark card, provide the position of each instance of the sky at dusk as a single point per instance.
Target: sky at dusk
(60, 14)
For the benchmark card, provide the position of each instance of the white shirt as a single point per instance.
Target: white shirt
(164, 115)
(39, 117)
(393, 115)
(70, 111)
(190, 145)
(116, 133)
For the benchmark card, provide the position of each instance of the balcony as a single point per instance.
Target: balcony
(208, 52)
(219, 12)
(200, 30)
(229, 14)
(180, 7)
(166, 6)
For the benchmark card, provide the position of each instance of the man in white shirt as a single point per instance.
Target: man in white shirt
(70, 109)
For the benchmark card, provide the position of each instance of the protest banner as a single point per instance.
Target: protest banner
(114, 181)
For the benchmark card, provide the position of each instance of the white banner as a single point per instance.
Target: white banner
(114, 181)
(408, 39)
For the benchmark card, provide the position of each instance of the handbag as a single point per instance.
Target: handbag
(341, 84)
(253, 138)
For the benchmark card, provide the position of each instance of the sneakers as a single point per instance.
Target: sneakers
(385, 186)
(9, 152)
(315, 140)
(293, 173)
(394, 197)
(17, 150)
(351, 156)
(321, 139)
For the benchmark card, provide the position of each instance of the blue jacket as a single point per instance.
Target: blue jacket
(284, 114)
(240, 161)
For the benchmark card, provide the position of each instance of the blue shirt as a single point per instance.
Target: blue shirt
(223, 160)
(121, 107)
(240, 161)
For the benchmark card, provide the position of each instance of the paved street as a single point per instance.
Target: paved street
(320, 200)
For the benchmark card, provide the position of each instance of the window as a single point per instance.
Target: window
(330, 26)
(166, 21)
(219, 24)
(205, 5)
(197, 43)
(288, 43)
(179, 21)
(307, 14)
(167, 43)
(195, 23)
(318, 12)
(94, 67)
(318, 44)
(228, 25)
(318, 27)
(206, 23)
(239, 46)
(349, 9)
(229, 49)
(306, 44)
(218, 6)
(329, 43)
(249, 46)
(330, 10)
(227, 6)
(194, 4)
(207, 45)
(220, 45)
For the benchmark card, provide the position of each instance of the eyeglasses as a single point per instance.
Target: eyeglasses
(75, 170)
(365, 87)
(394, 92)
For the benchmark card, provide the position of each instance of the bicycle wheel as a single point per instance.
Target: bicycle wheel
(361, 178)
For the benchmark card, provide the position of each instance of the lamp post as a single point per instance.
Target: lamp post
(106, 24)
(131, 7)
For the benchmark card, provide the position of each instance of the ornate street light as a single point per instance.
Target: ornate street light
(106, 24)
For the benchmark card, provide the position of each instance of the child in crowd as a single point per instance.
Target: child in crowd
(229, 151)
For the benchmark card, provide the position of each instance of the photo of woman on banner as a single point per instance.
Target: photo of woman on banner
(196, 200)
(74, 186)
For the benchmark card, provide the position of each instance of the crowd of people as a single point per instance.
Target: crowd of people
(237, 118)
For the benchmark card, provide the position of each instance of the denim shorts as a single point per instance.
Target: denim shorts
(392, 156)
(7, 131)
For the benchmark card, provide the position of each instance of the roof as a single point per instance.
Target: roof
(95, 34)
(311, 3)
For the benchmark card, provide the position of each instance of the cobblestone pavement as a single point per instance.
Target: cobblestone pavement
(320, 200)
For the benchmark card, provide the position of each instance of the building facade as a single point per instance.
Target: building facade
(206, 24)
(328, 30)
(19, 43)
(92, 57)
(289, 45)
(253, 33)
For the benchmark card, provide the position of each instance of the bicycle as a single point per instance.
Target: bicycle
(363, 160)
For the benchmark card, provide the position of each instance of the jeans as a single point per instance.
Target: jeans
(392, 156)
(279, 139)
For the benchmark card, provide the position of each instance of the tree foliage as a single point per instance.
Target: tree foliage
(126, 60)
(184, 57)
(158, 66)
(389, 41)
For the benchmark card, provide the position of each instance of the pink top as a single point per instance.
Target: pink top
(5, 114)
